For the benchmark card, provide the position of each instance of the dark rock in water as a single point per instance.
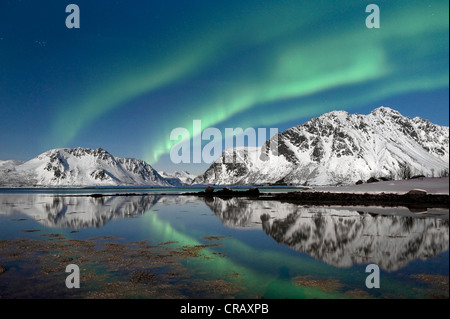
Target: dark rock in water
(372, 180)
(227, 190)
(209, 199)
(417, 192)
(209, 190)
(360, 182)
(384, 179)
(254, 191)
(418, 176)
(2, 270)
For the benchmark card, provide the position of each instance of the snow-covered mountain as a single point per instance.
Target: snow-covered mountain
(178, 178)
(338, 148)
(79, 167)
(5, 165)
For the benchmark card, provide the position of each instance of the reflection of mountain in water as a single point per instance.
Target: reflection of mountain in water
(75, 212)
(178, 200)
(340, 237)
(242, 213)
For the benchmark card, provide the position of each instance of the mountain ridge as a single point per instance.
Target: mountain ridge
(337, 148)
(333, 149)
(79, 167)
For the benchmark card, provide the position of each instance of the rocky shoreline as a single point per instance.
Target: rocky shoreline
(412, 199)
(415, 198)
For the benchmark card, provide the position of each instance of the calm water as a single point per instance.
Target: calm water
(276, 250)
(127, 190)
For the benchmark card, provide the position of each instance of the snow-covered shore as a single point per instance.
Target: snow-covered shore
(434, 186)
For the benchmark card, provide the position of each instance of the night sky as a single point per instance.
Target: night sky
(135, 70)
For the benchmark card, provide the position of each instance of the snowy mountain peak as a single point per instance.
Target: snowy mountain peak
(179, 178)
(81, 167)
(383, 110)
(339, 148)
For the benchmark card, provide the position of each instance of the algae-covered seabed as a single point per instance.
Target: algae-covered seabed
(170, 258)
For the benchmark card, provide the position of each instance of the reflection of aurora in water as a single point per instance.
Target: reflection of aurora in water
(269, 273)
(97, 212)
(266, 270)
(253, 280)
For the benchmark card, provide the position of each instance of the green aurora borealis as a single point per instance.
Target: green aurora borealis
(230, 64)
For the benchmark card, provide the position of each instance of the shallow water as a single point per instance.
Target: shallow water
(252, 248)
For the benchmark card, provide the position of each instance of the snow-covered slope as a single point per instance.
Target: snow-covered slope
(79, 167)
(436, 186)
(5, 165)
(338, 148)
(178, 178)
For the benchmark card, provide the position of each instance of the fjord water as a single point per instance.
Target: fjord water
(274, 249)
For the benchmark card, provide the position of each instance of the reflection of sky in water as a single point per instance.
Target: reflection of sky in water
(267, 243)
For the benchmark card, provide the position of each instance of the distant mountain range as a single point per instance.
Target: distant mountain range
(335, 148)
(84, 167)
(178, 178)
(338, 148)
